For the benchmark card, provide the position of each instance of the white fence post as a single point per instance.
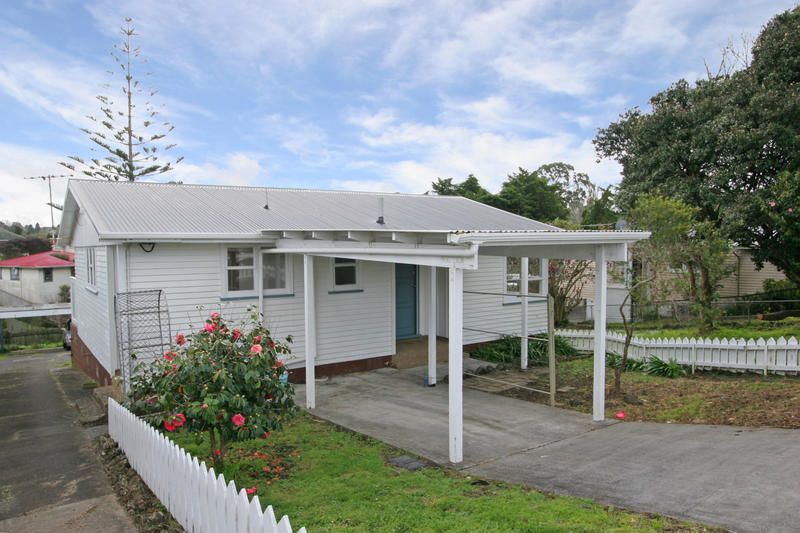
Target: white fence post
(198, 499)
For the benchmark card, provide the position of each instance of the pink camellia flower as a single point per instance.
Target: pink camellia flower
(169, 356)
(256, 348)
(772, 203)
(257, 339)
(236, 334)
(251, 490)
(215, 316)
(790, 210)
(180, 339)
(205, 406)
(278, 364)
(178, 420)
(209, 328)
(217, 452)
(620, 415)
(237, 420)
(169, 425)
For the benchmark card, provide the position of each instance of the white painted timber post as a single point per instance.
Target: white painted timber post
(599, 314)
(523, 296)
(455, 360)
(432, 328)
(310, 310)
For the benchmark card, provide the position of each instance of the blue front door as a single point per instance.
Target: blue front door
(405, 298)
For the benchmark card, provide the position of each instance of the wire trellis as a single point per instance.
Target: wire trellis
(143, 328)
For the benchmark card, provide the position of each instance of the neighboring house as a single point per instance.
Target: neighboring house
(35, 278)
(369, 259)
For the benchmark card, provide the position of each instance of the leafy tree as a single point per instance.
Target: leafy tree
(530, 195)
(469, 188)
(601, 210)
(576, 189)
(228, 382)
(128, 139)
(23, 246)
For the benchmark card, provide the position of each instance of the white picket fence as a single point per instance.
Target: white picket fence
(199, 500)
(772, 355)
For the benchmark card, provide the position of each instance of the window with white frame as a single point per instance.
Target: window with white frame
(277, 274)
(513, 278)
(90, 266)
(240, 270)
(1, 273)
(47, 275)
(345, 274)
(14, 274)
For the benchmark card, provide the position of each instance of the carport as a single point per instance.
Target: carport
(457, 252)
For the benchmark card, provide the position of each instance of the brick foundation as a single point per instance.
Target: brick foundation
(298, 375)
(84, 359)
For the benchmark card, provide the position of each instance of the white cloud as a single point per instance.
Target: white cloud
(235, 168)
(26, 200)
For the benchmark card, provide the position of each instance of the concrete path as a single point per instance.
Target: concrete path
(50, 479)
(742, 479)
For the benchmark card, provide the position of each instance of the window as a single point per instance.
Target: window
(513, 278)
(14, 274)
(48, 274)
(1, 273)
(72, 272)
(345, 274)
(240, 268)
(277, 274)
(90, 267)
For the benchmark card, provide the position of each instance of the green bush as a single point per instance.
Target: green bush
(614, 360)
(665, 369)
(508, 350)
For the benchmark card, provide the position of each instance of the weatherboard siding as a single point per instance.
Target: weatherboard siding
(91, 305)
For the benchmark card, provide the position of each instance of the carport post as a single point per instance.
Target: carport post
(455, 360)
(432, 328)
(599, 313)
(309, 308)
(523, 296)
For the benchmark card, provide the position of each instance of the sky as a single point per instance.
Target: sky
(377, 95)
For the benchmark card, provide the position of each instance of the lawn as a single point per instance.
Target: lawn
(704, 398)
(328, 479)
(755, 329)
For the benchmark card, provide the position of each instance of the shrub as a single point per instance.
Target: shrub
(508, 349)
(229, 382)
(614, 360)
(666, 369)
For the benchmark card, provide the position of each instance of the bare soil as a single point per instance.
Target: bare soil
(718, 398)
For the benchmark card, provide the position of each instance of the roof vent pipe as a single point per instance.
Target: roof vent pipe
(266, 198)
(380, 211)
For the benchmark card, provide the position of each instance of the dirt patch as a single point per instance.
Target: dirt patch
(141, 505)
(718, 398)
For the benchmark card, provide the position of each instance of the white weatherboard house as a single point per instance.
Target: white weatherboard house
(346, 274)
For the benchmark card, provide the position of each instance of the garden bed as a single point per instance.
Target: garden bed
(332, 480)
(723, 398)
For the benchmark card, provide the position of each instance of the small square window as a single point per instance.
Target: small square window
(277, 274)
(345, 273)
(14, 274)
(48, 274)
(240, 270)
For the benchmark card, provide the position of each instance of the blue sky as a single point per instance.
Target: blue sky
(373, 95)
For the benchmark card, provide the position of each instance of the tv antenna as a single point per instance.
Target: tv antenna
(49, 177)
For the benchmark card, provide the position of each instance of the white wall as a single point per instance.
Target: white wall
(31, 286)
(90, 304)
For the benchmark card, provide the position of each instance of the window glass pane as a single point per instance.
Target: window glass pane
(274, 271)
(534, 266)
(240, 257)
(15, 274)
(48, 274)
(344, 261)
(512, 266)
(344, 274)
(240, 280)
(512, 285)
(534, 286)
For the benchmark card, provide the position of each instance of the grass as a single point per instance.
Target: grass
(748, 330)
(10, 348)
(335, 480)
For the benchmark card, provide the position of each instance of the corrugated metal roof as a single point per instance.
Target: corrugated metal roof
(138, 208)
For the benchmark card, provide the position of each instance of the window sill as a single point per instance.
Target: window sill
(234, 298)
(345, 291)
(92, 290)
(286, 295)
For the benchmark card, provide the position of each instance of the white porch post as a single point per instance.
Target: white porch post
(523, 292)
(600, 301)
(455, 360)
(432, 328)
(310, 312)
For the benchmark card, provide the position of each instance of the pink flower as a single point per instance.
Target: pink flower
(620, 415)
(217, 452)
(169, 356)
(215, 316)
(236, 334)
(180, 339)
(791, 210)
(772, 203)
(205, 406)
(178, 420)
(237, 420)
(257, 339)
(169, 425)
(278, 364)
(209, 327)
(251, 490)
(256, 348)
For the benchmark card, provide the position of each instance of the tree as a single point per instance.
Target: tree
(129, 134)
(566, 279)
(469, 188)
(530, 195)
(576, 189)
(601, 210)
(230, 383)
(23, 246)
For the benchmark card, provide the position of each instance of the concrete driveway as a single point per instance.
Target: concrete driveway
(739, 478)
(50, 478)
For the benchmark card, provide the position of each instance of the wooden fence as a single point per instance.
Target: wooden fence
(772, 355)
(199, 500)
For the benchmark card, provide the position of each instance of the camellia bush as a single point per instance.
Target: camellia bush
(228, 382)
